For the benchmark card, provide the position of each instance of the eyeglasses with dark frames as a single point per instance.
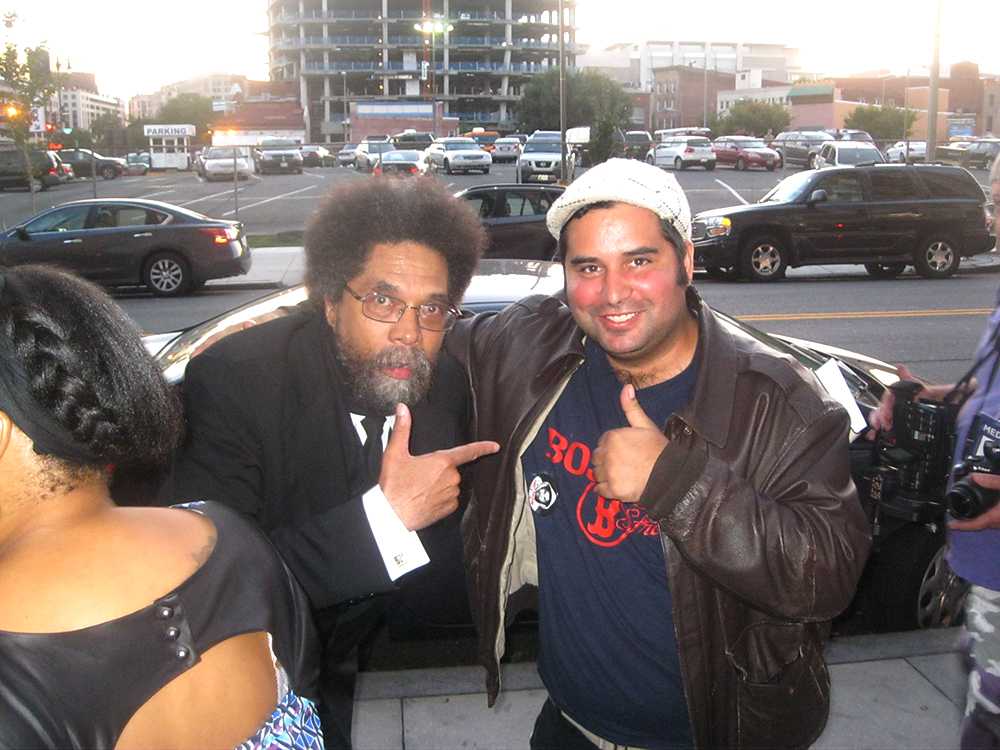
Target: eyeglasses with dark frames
(431, 316)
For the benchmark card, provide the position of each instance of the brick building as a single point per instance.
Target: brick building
(679, 97)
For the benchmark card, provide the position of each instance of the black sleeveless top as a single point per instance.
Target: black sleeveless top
(78, 689)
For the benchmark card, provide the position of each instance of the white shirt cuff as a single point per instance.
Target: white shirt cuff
(400, 548)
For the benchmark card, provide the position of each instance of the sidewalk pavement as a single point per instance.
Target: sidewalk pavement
(890, 692)
(279, 267)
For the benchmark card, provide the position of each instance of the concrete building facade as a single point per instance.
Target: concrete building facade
(775, 62)
(474, 56)
(221, 88)
(78, 108)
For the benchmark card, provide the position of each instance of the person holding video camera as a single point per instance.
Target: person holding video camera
(972, 499)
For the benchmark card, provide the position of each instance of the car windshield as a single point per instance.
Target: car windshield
(541, 146)
(378, 148)
(349, 146)
(278, 144)
(637, 138)
(859, 156)
(507, 141)
(751, 144)
(403, 156)
(223, 153)
(699, 142)
(484, 140)
(789, 189)
(460, 145)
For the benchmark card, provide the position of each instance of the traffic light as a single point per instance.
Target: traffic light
(49, 127)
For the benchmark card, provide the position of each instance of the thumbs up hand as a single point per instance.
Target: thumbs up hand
(423, 489)
(624, 458)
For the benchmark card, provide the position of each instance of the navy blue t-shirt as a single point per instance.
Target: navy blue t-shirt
(607, 652)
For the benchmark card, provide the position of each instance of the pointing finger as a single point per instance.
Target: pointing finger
(633, 411)
(462, 454)
(399, 438)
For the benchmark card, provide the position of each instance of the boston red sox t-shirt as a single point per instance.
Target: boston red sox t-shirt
(607, 651)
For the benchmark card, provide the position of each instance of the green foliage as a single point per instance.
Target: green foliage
(188, 109)
(30, 86)
(103, 128)
(883, 123)
(753, 118)
(592, 98)
(135, 137)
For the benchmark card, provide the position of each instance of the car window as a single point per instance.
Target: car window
(526, 203)
(949, 184)
(893, 184)
(65, 219)
(134, 216)
(843, 187)
(482, 203)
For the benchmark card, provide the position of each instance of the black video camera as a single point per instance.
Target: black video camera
(966, 499)
(913, 461)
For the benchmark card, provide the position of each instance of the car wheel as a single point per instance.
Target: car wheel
(650, 160)
(447, 167)
(770, 167)
(911, 583)
(166, 275)
(936, 257)
(740, 164)
(679, 164)
(763, 259)
(108, 173)
(709, 166)
(486, 171)
(885, 270)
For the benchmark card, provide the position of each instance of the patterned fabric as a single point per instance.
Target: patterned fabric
(294, 725)
(982, 712)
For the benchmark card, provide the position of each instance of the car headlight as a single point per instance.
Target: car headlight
(718, 226)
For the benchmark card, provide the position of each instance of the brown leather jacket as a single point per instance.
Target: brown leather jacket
(762, 531)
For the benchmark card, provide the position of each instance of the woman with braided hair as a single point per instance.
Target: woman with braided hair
(125, 627)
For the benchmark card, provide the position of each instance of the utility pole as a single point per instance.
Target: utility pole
(932, 104)
(704, 100)
(562, 97)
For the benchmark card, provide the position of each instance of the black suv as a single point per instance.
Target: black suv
(884, 216)
(46, 169)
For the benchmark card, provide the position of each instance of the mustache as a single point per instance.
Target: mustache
(401, 356)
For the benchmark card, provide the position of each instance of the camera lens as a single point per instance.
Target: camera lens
(967, 500)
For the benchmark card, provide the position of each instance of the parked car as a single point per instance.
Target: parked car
(128, 241)
(86, 162)
(800, 147)
(314, 155)
(137, 164)
(907, 582)
(401, 163)
(506, 149)
(66, 173)
(744, 152)
(277, 155)
(545, 135)
(46, 170)
(637, 144)
(219, 162)
(884, 216)
(848, 154)
(345, 157)
(412, 140)
(683, 151)
(514, 217)
(367, 154)
(541, 161)
(981, 154)
(906, 152)
(848, 134)
(458, 155)
(952, 153)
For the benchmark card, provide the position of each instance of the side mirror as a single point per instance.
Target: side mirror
(22, 233)
(817, 196)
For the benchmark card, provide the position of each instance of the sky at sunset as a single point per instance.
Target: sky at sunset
(136, 46)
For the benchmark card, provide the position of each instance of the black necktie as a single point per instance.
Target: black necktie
(373, 445)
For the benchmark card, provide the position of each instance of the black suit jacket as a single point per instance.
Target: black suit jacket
(269, 434)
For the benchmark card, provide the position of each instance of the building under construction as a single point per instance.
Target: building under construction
(472, 56)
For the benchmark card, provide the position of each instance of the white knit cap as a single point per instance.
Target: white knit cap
(624, 181)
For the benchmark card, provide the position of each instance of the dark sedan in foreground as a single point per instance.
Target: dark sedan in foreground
(514, 217)
(128, 242)
(907, 583)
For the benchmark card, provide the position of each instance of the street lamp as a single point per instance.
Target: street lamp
(433, 26)
(343, 119)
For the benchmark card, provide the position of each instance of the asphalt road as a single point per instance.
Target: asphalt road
(933, 326)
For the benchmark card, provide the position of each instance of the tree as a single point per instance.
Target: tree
(187, 109)
(882, 123)
(592, 98)
(103, 128)
(29, 88)
(749, 117)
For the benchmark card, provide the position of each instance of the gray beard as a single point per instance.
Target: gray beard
(376, 393)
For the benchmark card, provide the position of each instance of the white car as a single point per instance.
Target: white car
(848, 154)
(506, 149)
(219, 162)
(681, 152)
(900, 152)
(458, 155)
(541, 161)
